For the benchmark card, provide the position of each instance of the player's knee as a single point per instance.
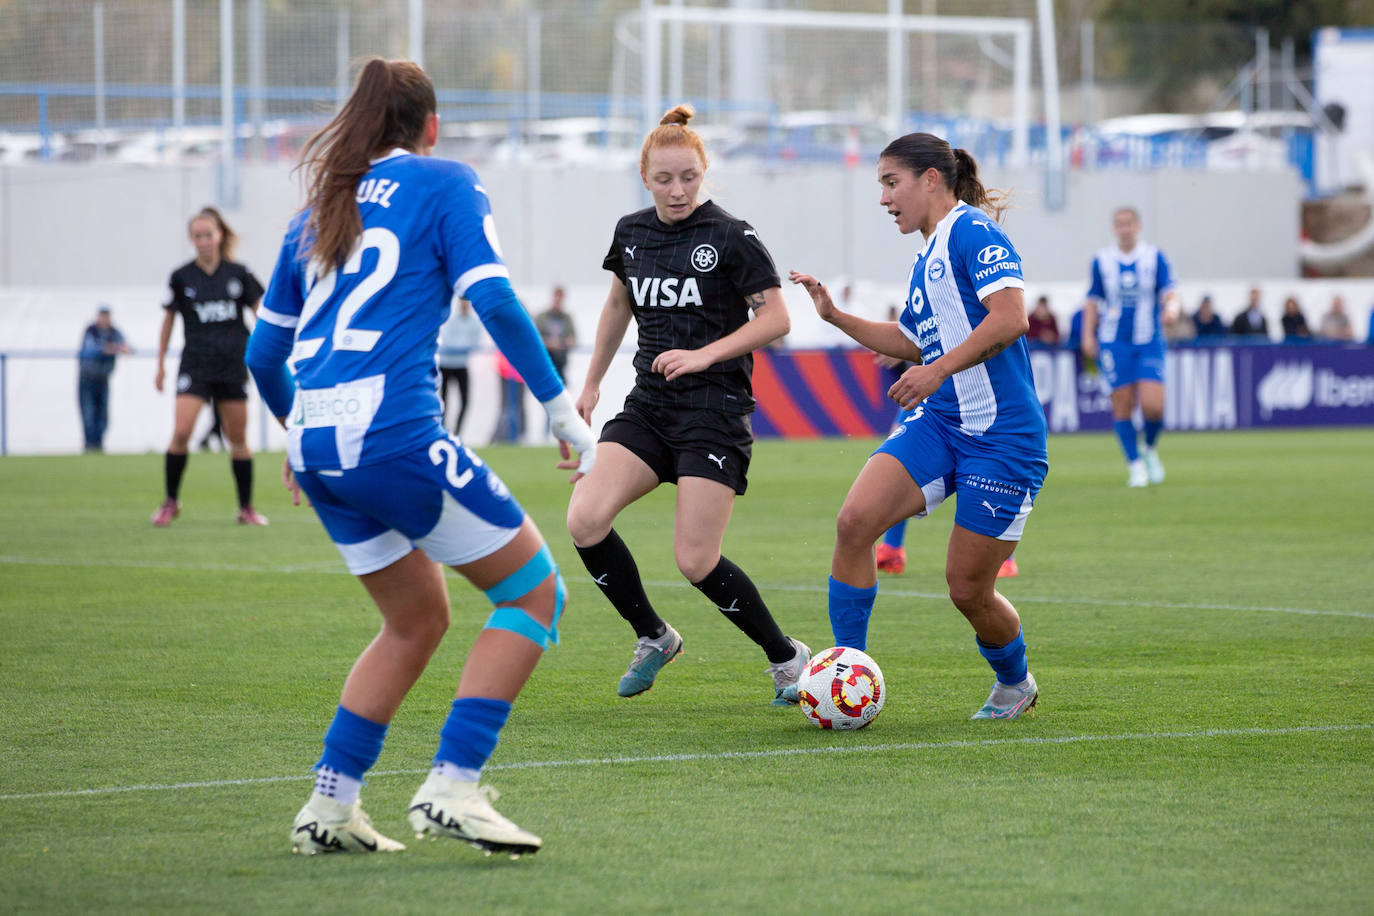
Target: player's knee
(695, 565)
(425, 630)
(537, 584)
(854, 530)
(587, 526)
(968, 594)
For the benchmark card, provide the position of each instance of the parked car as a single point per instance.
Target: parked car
(807, 136)
(609, 143)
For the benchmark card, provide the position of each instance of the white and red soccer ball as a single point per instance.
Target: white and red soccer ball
(841, 688)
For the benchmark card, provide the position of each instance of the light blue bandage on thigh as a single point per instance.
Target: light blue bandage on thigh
(519, 583)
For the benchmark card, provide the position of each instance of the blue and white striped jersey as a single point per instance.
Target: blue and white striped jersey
(1130, 288)
(365, 336)
(965, 260)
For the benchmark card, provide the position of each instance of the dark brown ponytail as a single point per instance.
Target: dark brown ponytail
(919, 152)
(389, 108)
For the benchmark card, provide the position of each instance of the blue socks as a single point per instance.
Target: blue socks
(1125, 431)
(1008, 661)
(894, 536)
(470, 731)
(352, 744)
(850, 609)
(1152, 428)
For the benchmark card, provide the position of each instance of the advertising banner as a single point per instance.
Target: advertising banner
(805, 394)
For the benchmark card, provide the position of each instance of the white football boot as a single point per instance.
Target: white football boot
(1137, 475)
(461, 809)
(326, 825)
(1009, 701)
(1154, 468)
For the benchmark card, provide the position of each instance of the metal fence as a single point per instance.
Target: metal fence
(153, 80)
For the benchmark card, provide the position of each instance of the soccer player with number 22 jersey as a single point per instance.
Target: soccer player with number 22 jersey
(344, 354)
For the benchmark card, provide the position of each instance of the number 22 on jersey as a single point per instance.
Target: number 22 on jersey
(335, 320)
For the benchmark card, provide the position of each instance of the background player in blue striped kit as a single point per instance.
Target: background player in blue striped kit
(975, 426)
(1132, 287)
(363, 283)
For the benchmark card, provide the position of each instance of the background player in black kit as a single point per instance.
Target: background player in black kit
(210, 293)
(689, 273)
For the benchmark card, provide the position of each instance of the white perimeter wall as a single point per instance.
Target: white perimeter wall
(41, 405)
(118, 225)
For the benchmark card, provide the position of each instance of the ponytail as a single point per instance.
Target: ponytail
(389, 108)
(920, 151)
(969, 188)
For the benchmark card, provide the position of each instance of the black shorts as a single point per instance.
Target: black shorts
(686, 443)
(211, 388)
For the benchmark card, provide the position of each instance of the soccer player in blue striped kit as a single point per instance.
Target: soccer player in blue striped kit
(1132, 289)
(364, 281)
(974, 426)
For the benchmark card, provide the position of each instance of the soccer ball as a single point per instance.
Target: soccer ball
(841, 688)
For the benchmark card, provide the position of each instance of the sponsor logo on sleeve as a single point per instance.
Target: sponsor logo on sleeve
(992, 254)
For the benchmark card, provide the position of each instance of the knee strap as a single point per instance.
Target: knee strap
(519, 583)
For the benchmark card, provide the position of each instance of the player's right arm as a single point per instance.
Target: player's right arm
(164, 337)
(884, 337)
(1096, 294)
(610, 331)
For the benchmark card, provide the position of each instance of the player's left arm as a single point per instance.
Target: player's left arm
(1170, 303)
(277, 311)
(1004, 323)
(770, 322)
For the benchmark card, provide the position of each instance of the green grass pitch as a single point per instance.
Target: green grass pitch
(1204, 741)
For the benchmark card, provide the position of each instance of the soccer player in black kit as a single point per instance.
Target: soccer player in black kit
(211, 294)
(689, 273)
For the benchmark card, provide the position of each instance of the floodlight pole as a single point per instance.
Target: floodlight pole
(417, 32)
(1054, 140)
(178, 72)
(98, 23)
(896, 70)
(257, 76)
(228, 179)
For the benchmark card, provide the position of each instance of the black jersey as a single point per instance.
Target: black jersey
(687, 283)
(211, 309)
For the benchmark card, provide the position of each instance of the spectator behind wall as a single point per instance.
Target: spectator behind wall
(1251, 321)
(1178, 327)
(1206, 322)
(1295, 328)
(1044, 330)
(557, 330)
(1335, 325)
(99, 346)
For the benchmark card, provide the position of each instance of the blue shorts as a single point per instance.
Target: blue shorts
(442, 499)
(1126, 364)
(996, 477)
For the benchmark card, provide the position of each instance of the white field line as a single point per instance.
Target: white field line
(1031, 741)
(335, 567)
